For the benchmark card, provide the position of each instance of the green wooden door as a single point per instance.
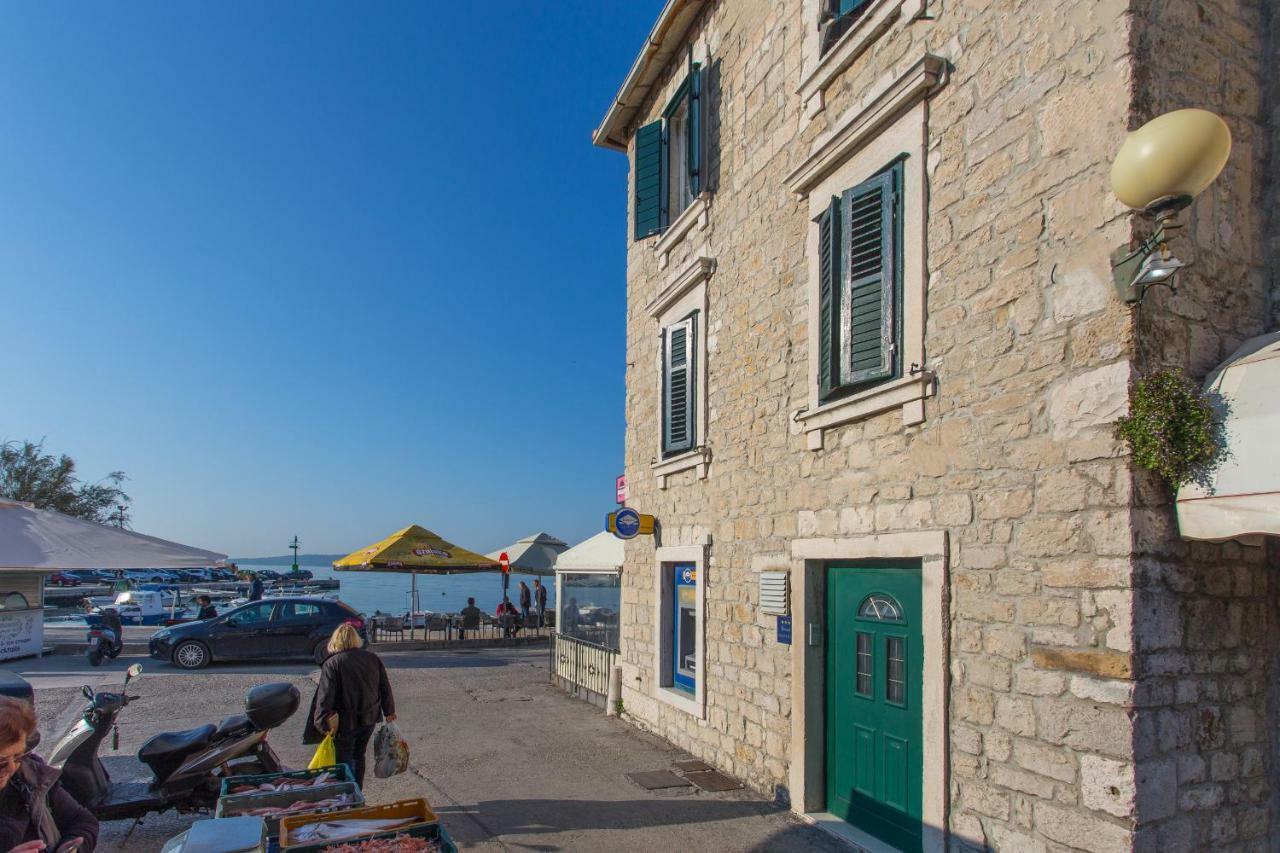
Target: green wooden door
(873, 682)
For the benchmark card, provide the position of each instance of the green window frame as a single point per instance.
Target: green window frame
(669, 156)
(837, 18)
(859, 285)
(679, 385)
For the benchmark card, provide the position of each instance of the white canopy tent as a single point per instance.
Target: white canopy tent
(35, 542)
(1242, 500)
(601, 553)
(533, 555)
(594, 568)
(41, 539)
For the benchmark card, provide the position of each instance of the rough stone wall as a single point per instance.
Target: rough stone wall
(1206, 617)
(1015, 459)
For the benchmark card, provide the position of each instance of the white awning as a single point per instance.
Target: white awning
(533, 555)
(1242, 499)
(601, 553)
(41, 539)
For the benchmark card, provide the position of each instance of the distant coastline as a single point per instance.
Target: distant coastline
(287, 560)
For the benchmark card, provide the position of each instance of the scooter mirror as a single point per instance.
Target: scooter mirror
(132, 672)
(87, 691)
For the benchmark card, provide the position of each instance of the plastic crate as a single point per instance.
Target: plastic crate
(341, 771)
(230, 806)
(420, 830)
(417, 810)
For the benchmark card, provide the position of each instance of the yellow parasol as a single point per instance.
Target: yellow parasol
(415, 550)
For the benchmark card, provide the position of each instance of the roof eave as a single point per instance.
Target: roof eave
(672, 25)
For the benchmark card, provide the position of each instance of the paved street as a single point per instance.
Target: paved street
(510, 762)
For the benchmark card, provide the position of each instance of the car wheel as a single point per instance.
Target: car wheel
(320, 652)
(191, 655)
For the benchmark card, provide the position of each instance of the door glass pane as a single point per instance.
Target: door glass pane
(895, 689)
(880, 607)
(864, 686)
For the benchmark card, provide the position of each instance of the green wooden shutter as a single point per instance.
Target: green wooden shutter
(648, 180)
(828, 298)
(678, 387)
(868, 322)
(694, 146)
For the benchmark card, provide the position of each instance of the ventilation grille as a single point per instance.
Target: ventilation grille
(773, 593)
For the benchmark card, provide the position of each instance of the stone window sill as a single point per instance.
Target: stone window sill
(697, 214)
(908, 392)
(680, 699)
(697, 459)
(841, 55)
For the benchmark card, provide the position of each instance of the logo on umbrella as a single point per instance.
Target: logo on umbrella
(435, 552)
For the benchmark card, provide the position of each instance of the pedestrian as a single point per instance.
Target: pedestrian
(255, 588)
(526, 602)
(207, 610)
(540, 597)
(571, 616)
(470, 618)
(36, 812)
(352, 696)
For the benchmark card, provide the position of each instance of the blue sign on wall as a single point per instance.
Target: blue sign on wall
(626, 523)
(784, 630)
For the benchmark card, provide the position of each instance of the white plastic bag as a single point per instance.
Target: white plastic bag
(390, 751)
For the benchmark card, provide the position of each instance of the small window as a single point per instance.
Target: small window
(255, 614)
(865, 672)
(859, 326)
(301, 610)
(679, 377)
(837, 18)
(668, 172)
(895, 673)
(881, 608)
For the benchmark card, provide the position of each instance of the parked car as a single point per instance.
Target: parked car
(64, 579)
(266, 575)
(151, 576)
(299, 575)
(273, 628)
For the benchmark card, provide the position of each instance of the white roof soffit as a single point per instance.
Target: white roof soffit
(1242, 499)
(664, 41)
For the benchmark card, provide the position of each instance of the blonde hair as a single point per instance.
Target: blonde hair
(344, 637)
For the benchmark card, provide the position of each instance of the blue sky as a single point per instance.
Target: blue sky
(320, 269)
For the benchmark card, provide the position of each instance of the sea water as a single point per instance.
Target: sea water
(389, 591)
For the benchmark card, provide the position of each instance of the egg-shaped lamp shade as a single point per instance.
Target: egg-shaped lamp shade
(1176, 154)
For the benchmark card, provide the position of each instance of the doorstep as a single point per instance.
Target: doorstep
(846, 832)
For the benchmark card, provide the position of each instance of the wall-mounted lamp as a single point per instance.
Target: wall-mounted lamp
(1159, 170)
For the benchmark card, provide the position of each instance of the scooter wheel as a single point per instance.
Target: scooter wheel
(95, 659)
(191, 655)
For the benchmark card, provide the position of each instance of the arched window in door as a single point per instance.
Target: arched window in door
(881, 608)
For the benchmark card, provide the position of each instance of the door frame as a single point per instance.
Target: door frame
(808, 685)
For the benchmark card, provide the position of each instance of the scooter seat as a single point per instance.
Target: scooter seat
(236, 724)
(171, 745)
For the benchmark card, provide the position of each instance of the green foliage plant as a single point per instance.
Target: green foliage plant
(1172, 429)
(27, 473)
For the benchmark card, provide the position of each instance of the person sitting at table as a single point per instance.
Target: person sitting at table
(507, 616)
(470, 618)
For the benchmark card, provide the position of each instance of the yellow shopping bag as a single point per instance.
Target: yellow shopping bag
(326, 754)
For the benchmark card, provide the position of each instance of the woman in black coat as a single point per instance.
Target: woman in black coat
(353, 695)
(36, 813)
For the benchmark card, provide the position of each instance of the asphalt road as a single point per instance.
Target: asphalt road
(508, 761)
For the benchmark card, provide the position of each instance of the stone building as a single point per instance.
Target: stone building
(874, 361)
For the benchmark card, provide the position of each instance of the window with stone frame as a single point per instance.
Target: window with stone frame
(679, 386)
(669, 156)
(837, 16)
(859, 285)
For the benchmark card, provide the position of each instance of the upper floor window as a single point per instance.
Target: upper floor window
(859, 294)
(668, 162)
(679, 386)
(837, 17)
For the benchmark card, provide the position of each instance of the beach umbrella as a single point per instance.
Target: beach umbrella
(45, 540)
(414, 551)
(533, 555)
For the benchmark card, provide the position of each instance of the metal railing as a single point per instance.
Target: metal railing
(583, 665)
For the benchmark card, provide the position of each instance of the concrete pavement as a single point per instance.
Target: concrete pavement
(507, 760)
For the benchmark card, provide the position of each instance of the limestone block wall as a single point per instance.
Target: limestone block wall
(1052, 696)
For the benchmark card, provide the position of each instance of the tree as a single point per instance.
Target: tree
(27, 473)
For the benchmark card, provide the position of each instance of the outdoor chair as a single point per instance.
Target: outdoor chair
(387, 626)
(437, 623)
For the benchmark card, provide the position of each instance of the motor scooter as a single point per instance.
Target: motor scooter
(186, 768)
(106, 638)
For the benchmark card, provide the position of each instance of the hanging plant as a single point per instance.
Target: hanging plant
(1171, 428)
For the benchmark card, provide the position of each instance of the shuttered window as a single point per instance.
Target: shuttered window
(678, 380)
(858, 289)
(670, 153)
